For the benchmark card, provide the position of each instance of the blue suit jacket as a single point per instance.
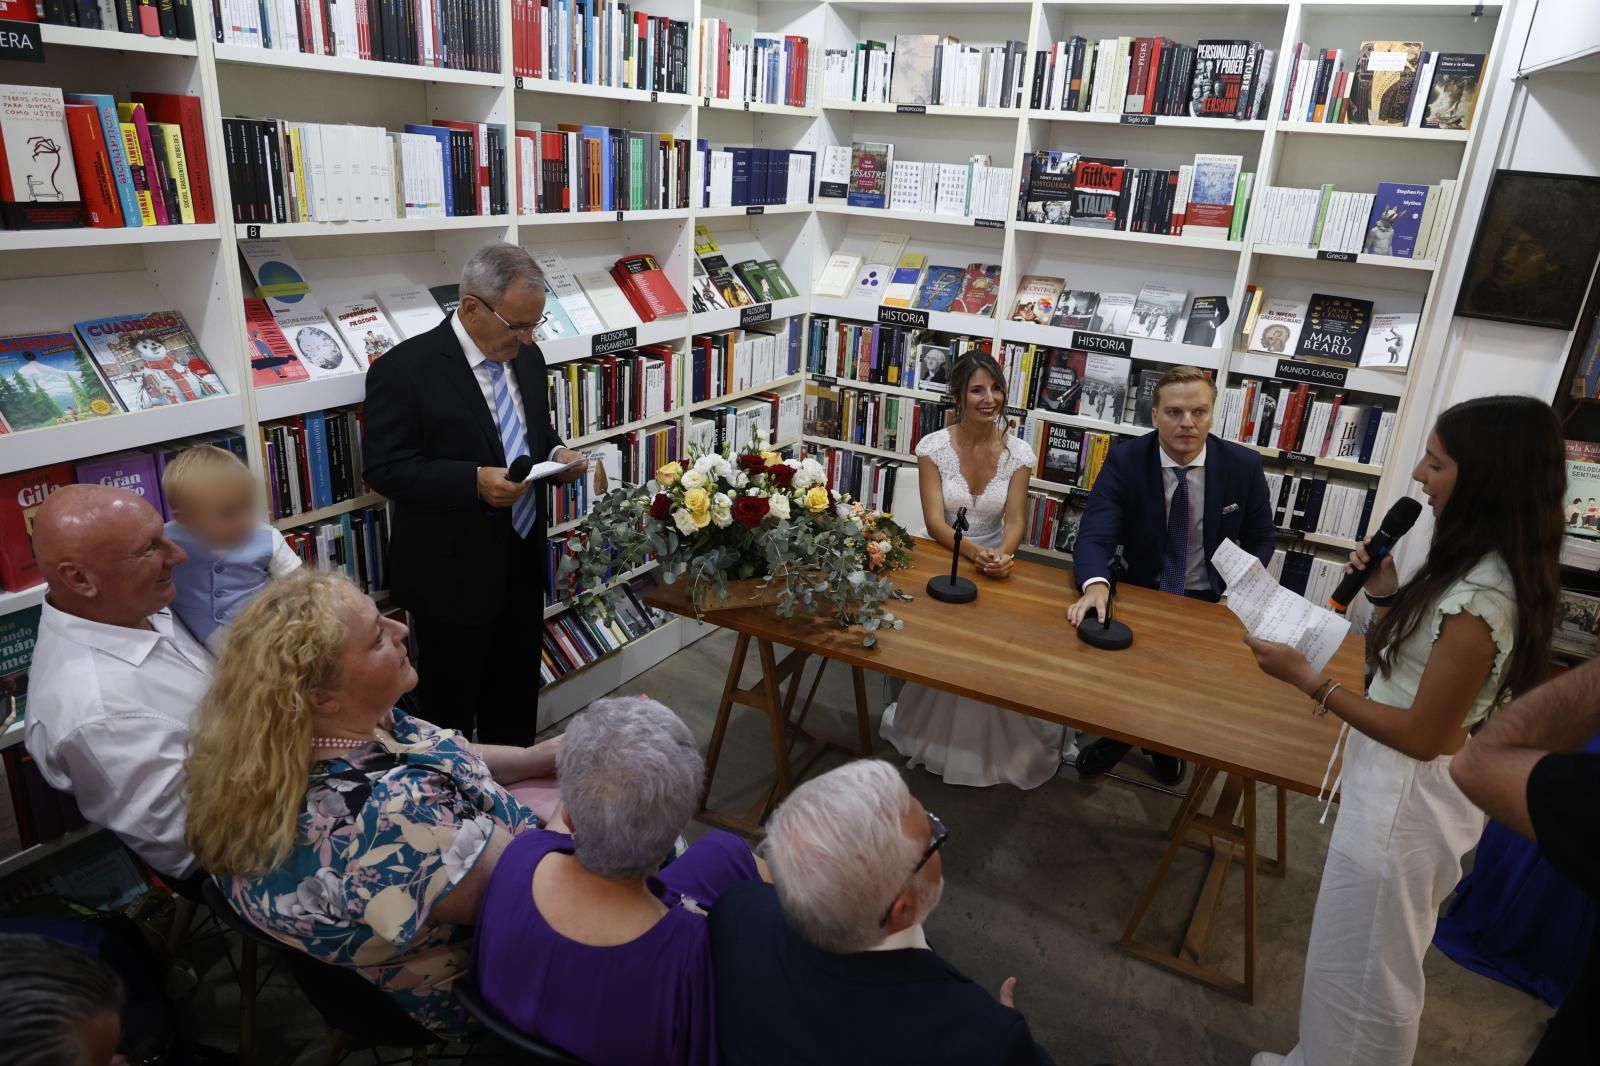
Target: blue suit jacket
(1128, 507)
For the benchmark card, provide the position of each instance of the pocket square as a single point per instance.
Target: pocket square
(1232, 507)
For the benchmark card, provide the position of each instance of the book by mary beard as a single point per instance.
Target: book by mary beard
(150, 359)
(1335, 329)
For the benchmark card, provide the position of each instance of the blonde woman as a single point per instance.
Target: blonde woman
(333, 820)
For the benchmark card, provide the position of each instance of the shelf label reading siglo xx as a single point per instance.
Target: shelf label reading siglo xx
(1337, 257)
(21, 42)
(755, 314)
(1138, 120)
(902, 316)
(615, 340)
(1085, 341)
(911, 109)
(1312, 373)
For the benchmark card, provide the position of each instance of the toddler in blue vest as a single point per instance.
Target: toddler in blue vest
(216, 518)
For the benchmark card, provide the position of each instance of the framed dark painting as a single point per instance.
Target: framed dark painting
(1534, 251)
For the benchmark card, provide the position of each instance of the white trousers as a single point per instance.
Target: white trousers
(1394, 856)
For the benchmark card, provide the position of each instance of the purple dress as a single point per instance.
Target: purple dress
(649, 1000)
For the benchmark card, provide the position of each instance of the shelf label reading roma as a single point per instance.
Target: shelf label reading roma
(1312, 373)
(615, 340)
(1085, 341)
(902, 316)
(911, 109)
(1138, 120)
(755, 314)
(1337, 257)
(21, 42)
(1297, 457)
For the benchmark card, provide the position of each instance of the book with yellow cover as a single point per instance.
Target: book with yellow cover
(168, 138)
(141, 181)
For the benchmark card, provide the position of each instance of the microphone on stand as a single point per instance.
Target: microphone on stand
(1396, 524)
(1108, 635)
(518, 470)
(954, 589)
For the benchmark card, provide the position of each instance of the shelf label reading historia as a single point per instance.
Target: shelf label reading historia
(1101, 342)
(615, 340)
(902, 316)
(755, 314)
(1312, 373)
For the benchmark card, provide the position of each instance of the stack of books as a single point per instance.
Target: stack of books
(599, 42)
(1209, 198)
(895, 277)
(1315, 503)
(1387, 83)
(1053, 521)
(866, 478)
(719, 286)
(763, 68)
(1214, 79)
(866, 174)
(174, 21)
(88, 159)
(1069, 455)
(926, 68)
(906, 357)
(590, 395)
(580, 168)
(737, 360)
(886, 421)
(425, 33)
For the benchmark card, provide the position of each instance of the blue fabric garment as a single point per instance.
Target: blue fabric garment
(1516, 919)
(214, 586)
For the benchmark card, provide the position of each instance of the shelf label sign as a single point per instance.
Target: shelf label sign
(756, 209)
(911, 109)
(755, 314)
(1297, 457)
(1083, 340)
(825, 380)
(1337, 257)
(1312, 373)
(21, 42)
(518, 82)
(252, 233)
(1138, 120)
(616, 340)
(832, 190)
(652, 96)
(989, 223)
(902, 316)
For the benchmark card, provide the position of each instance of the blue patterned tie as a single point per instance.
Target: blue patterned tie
(1175, 567)
(515, 442)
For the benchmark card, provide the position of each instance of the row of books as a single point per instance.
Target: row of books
(741, 177)
(592, 630)
(356, 543)
(582, 168)
(904, 356)
(1315, 503)
(886, 421)
(1328, 328)
(312, 461)
(591, 395)
(625, 459)
(1296, 417)
(1069, 455)
(173, 20)
(1207, 199)
(1053, 521)
(895, 277)
(1155, 311)
(1213, 79)
(280, 171)
(31, 812)
(739, 359)
(865, 174)
(138, 471)
(1064, 381)
(719, 286)
(926, 68)
(867, 478)
(89, 159)
(599, 42)
(1392, 83)
(763, 68)
(450, 34)
(1302, 571)
(1399, 219)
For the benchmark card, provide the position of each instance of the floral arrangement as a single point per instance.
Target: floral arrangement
(715, 518)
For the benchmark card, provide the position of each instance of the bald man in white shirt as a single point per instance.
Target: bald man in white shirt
(115, 678)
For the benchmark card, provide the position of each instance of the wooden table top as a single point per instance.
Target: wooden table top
(1188, 686)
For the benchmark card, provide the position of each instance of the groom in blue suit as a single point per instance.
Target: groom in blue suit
(1169, 498)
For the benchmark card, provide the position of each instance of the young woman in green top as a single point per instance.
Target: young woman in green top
(1470, 628)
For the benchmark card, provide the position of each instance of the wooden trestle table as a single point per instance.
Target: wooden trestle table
(1187, 687)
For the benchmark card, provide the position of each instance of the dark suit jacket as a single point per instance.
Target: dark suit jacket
(782, 1002)
(1128, 506)
(427, 430)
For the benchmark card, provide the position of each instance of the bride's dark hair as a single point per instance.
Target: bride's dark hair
(961, 376)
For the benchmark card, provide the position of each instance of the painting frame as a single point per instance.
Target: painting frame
(1534, 250)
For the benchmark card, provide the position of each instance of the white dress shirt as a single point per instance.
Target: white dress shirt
(109, 715)
(476, 360)
(1197, 580)
(911, 936)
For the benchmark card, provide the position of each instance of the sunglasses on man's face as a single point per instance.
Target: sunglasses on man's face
(939, 835)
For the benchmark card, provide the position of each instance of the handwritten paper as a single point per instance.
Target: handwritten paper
(1271, 612)
(550, 469)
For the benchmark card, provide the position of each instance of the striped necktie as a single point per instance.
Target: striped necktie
(515, 442)
(1175, 566)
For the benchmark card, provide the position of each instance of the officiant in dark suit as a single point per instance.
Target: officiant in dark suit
(1169, 498)
(446, 413)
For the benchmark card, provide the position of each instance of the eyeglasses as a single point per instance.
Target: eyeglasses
(940, 835)
(514, 327)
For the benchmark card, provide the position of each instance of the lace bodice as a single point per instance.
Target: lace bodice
(986, 511)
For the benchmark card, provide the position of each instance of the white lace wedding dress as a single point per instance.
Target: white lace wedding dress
(963, 740)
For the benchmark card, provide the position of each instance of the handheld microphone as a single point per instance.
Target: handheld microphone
(518, 470)
(1396, 524)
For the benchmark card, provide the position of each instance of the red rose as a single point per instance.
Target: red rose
(751, 463)
(661, 506)
(782, 474)
(748, 511)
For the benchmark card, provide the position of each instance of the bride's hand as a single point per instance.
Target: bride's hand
(998, 566)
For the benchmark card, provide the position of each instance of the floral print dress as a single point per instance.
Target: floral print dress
(384, 835)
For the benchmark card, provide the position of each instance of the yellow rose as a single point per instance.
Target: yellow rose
(771, 458)
(667, 476)
(698, 503)
(817, 499)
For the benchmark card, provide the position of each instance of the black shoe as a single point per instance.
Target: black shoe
(1166, 769)
(1095, 759)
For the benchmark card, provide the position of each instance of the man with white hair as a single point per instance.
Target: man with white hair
(830, 965)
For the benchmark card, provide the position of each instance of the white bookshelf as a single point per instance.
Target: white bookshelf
(70, 275)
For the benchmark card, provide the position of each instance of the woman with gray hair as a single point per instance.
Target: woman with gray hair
(580, 941)
(59, 1005)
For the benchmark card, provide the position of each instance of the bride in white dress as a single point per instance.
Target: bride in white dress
(964, 741)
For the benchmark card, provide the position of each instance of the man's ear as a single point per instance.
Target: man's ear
(76, 579)
(902, 912)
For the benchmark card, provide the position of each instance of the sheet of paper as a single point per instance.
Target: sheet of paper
(550, 469)
(1271, 612)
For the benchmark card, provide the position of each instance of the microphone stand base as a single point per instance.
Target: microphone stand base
(948, 589)
(1108, 636)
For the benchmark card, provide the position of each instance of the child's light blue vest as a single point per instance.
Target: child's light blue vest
(215, 586)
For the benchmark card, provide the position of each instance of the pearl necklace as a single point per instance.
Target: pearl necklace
(340, 742)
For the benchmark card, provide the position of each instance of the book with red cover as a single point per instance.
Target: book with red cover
(980, 285)
(20, 496)
(183, 111)
(18, 11)
(480, 157)
(136, 115)
(272, 358)
(642, 280)
(93, 162)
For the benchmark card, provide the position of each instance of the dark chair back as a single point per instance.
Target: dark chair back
(536, 1050)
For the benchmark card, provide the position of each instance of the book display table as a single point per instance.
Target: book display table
(1187, 687)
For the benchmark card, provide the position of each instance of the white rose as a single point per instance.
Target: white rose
(802, 479)
(684, 521)
(721, 501)
(703, 463)
(694, 479)
(721, 517)
(812, 467)
(739, 479)
(779, 506)
(721, 467)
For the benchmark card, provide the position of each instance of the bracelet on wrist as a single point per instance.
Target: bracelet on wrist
(1382, 601)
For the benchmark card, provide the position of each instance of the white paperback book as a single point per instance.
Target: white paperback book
(1389, 340)
(1278, 327)
(607, 299)
(564, 284)
(890, 247)
(315, 340)
(412, 309)
(836, 166)
(365, 329)
(837, 276)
